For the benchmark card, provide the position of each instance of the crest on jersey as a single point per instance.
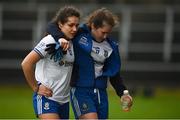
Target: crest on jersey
(83, 40)
(46, 106)
(105, 53)
(85, 107)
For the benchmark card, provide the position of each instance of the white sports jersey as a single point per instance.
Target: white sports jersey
(100, 51)
(54, 75)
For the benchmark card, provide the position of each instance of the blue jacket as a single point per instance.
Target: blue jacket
(83, 74)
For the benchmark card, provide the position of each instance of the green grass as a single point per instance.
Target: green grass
(16, 102)
(162, 105)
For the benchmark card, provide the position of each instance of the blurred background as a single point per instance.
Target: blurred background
(149, 39)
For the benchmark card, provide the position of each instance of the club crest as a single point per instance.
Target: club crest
(83, 40)
(105, 53)
(46, 106)
(85, 107)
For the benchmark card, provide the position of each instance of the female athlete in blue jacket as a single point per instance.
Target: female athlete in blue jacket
(96, 59)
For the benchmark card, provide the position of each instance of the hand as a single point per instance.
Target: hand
(64, 44)
(131, 101)
(43, 90)
(126, 102)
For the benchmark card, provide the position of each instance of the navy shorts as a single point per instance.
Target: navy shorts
(89, 100)
(44, 105)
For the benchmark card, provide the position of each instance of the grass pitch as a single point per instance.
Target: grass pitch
(16, 102)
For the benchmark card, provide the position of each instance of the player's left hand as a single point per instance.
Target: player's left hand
(126, 102)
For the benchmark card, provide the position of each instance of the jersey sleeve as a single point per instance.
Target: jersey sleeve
(41, 46)
(118, 84)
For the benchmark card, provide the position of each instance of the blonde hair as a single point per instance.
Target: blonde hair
(99, 16)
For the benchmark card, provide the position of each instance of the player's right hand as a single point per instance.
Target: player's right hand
(45, 91)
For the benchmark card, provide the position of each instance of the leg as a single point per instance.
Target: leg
(49, 116)
(89, 116)
(83, 104)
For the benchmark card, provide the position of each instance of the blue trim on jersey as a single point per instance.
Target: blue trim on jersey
(38, 52)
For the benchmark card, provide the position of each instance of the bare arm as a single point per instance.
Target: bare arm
(28, 65)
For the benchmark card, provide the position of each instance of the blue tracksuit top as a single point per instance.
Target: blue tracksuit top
(83, 74)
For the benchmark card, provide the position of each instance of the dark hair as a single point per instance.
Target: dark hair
(98, 17)
(65, 12)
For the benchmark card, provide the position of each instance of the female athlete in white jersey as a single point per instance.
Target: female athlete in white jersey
(51, 78)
